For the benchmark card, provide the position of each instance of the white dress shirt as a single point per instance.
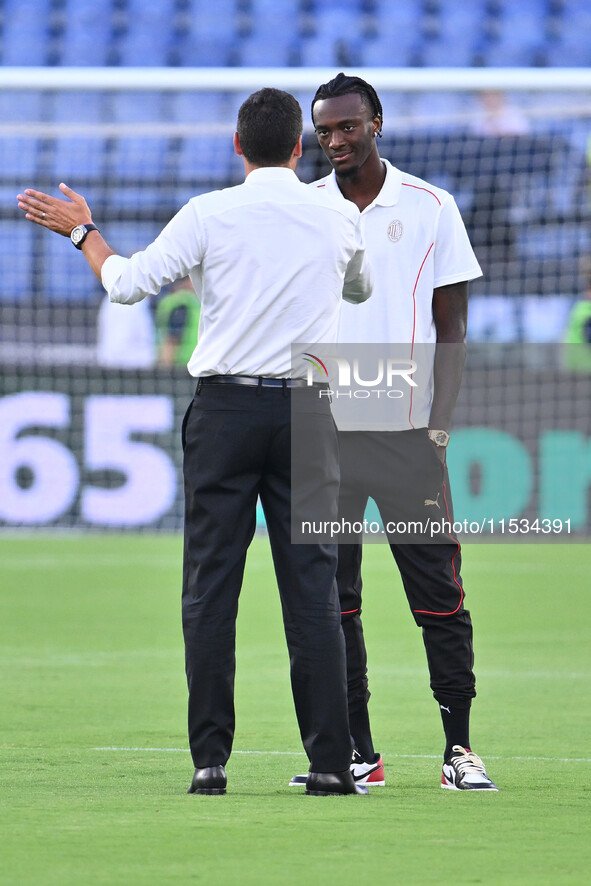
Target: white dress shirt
(270, 261)
(416, 242)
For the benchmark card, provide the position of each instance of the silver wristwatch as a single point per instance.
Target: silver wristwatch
(440, 438)
(79, 233)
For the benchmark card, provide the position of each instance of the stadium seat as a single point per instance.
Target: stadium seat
(335, 26)
(86, 34)
(146, 40)
(24, 33)
(76, 107)
(77, 158)
(510, 52)
(571, 54)
(460, 30)
(208, 159)
(21, 106)
(213, 20)
(135, 106)
(16, 277)
(136, 157)
(147, 49)
(65, 277)
(19, 158)
(198, 106)
(383, 51)
(259, 51)
(129, 237)
(198, 50)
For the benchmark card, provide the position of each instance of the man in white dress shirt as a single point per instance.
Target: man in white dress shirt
(266, 278)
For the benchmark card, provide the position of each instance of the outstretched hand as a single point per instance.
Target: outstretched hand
(54, 213)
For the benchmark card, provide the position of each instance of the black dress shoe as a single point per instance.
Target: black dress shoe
(210, 780)
(325, 784)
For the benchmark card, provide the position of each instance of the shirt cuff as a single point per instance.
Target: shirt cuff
(113, 268)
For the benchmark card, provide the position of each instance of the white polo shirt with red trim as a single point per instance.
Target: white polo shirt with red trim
(416, 241)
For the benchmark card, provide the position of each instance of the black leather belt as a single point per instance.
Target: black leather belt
(256, 381)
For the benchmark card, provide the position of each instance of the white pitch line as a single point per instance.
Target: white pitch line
(396, 756)
(186, 751)
(138, 750)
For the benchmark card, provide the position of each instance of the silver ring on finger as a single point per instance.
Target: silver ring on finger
(43, 214)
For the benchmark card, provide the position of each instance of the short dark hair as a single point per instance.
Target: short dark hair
(343, 85)
(269, 125)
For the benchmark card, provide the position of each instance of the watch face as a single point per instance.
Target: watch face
(440, 438)
(77, 234)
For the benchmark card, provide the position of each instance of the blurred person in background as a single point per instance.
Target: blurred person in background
(177, 324)
(498, 116)
(577, 336)
(125, 339)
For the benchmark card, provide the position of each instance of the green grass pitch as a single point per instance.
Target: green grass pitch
(93, 759)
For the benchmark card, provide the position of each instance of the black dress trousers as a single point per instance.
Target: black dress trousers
(237, 446)
(402, 472)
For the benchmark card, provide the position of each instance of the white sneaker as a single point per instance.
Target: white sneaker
(371, 774)
(464, 771)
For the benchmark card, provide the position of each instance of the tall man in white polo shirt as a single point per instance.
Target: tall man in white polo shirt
(265, 279)
(422, 261)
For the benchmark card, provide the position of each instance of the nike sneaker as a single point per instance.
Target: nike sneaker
(364, 773)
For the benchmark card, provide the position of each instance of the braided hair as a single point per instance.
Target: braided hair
(344, 85)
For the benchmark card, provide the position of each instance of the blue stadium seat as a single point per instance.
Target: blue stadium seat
(398, 20)
(513, 50)
(213, 19)
(65, 277)
(24, 32)
(129, 237)
(16, 259)
(135, 106)
(397, 36)
(17, 105)
(383, 51)
(76, 107)
(145, 48)
(147, 39)
(441, 53)
(19, 158)
(199, 106)
(258, 51)
(521, 34)
(204, 159)
(199, 50)
(87, 33)
(460, 31)
(76, 157)
(572, 47)
(138, 157)
(323, 50)
(576, 54)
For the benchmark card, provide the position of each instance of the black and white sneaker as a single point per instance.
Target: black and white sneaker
(464, 771)
(371, 774)
(364, 773)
